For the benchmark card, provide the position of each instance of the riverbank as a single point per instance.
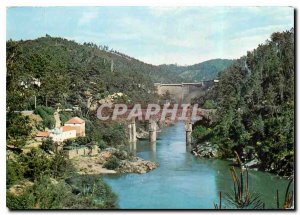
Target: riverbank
(122, 163)
(210, 151)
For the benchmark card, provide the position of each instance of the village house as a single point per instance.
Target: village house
(61, 134)
(42, 135)
(73, 128)
(77, 124)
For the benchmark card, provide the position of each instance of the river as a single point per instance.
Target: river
(183, 181)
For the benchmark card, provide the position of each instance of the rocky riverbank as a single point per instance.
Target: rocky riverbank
(112, 161)
(208, 150)
(205, 150)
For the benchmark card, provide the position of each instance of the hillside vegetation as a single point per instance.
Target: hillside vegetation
(69, 71)
(255, 107)
(207, 70)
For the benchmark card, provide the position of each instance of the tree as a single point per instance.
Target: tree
(18, 129)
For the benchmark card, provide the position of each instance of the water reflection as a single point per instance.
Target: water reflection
(188, 148)
(153, 150)
(132, 147)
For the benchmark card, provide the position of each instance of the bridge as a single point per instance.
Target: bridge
(184, 92)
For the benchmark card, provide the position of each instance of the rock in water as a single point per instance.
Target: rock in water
(206, 150)
(252, 164)
(136, 165)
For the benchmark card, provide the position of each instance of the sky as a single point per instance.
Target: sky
(156, 35)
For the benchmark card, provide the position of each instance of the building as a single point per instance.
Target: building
(59, 134)
(42, 135)
(73, 128)
(77, 124)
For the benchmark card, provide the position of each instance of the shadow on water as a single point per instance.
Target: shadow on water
(182, 180)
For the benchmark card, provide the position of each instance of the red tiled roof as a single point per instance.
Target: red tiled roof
(75, 120)
(42, 134)
(68, 128)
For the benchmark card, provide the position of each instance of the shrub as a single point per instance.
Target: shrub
(49, 122)
(50, 195)
(102, 144)
(92, 192)
(44, 194)
(61, 166)
(114, 135)
(47, 115)
(18, 129)
(14, 172)
(209, 104)
(200, 133)
(64, 116)
(25, 200)
(83, 141)
(36, 164)
(47, 145)
(121, 154)
(112, 163)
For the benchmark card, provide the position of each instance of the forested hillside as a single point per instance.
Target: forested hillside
(68, 71)
(207, 70)
(255, 107)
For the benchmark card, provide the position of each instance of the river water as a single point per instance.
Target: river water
(183, 181)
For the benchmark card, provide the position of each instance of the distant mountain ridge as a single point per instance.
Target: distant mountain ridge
(206, 70)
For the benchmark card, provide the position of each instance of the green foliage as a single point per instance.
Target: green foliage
(83, 141)
(47, 144)
(64, 116)
(112, 163)
(36, 164)
(102, 144)
(79, 141)
(201, 132)
(25, 200)
(50, 191)
(50, 194)
(18, 129)
(47, 115)
(255, 98)
(66, 70)
(14, 172)
(60, 166)
(44, 111)
(209, 104)
(121, 154)
(95, 192)
(207, 70)
(114, 134)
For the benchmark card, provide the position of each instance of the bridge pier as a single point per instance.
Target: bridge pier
(152, 131)
(132, 131)
(188, 130)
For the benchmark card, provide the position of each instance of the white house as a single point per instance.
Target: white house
(59, 135)
(73, 128)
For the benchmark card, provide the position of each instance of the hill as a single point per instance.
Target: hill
(206, 70)
(70, 72)
(256, 107)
